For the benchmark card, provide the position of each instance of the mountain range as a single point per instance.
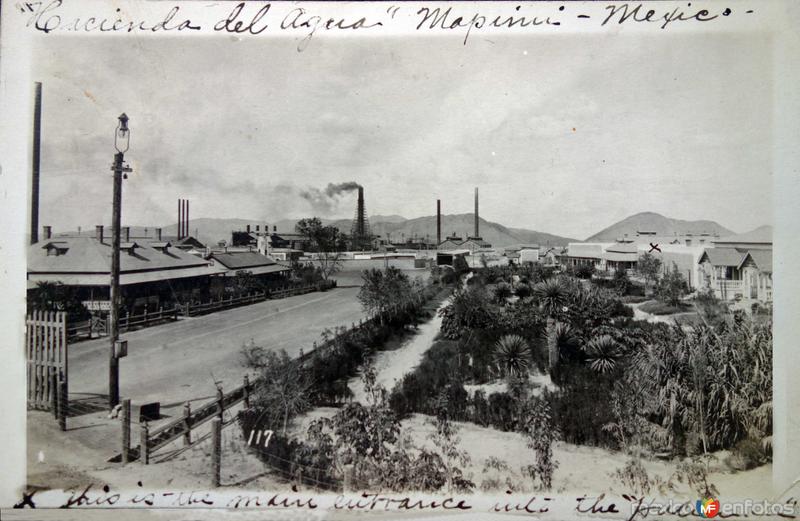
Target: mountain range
(393, 227)
(397, 228)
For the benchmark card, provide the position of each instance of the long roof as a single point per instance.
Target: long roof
(762, 235)
(242, 260)
(87, 261)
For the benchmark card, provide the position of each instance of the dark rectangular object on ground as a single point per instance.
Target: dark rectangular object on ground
(150, 411)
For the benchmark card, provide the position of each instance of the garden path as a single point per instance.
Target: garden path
(391, 366)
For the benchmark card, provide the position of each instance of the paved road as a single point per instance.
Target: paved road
(174, 362)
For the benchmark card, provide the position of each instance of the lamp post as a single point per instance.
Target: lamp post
(121, 143)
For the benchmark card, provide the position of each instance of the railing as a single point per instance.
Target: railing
(193, 309)
(182, 427)
(88, 329)
(729, 286)
(145, 319)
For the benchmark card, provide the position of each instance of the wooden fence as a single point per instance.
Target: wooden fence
(95, 326)
(193, 309)
(46, 351)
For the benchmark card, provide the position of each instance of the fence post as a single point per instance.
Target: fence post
(246, 391)
(63, 404)
(144, 450)
(220, 397)
(126, 430)
(53, 391)
(187, 436)
(216, 451)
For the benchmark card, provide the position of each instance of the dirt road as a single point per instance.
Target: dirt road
(175, 362)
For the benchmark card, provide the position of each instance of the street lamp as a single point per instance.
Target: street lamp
(122, 137)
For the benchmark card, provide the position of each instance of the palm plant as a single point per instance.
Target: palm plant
(602, 354)
(512, 355)
(562, 343)
(501, 292)
(551, 296)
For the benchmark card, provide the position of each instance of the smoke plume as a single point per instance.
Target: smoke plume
(323, 201)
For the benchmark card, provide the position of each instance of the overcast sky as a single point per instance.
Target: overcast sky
(563, 135)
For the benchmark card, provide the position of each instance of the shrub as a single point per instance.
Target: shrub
(655, 307)
(512, 355)
(501, 292)
(634, 477)
(523, 290)
(747, 454)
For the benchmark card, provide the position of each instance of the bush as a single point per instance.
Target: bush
(654, 307)
(523, 290)
(747, 454)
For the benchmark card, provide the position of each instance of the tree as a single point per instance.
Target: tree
(648, 267)
(446, 440)
(512, 355)
(328, 241)
(282, 385)
(540, 433)
(469, 309)
(383, 290)
(671, 287)
(55, 296)
(244, 282)
(621, 281)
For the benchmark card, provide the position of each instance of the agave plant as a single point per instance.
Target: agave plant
(551, 296)
(602, 353)
(512, 354)
(562, 342)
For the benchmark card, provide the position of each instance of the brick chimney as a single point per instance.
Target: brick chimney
(98, 231)
(158, 234)
(275, 228)
(126, 234)
(47, 232)
(248, 228)
(258, 228)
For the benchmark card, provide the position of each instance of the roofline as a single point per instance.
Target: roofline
(122, 272)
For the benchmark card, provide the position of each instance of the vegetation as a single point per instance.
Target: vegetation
(386, 290)
(328, 241)
(671, 287)
(642, 388)
(656, 307)
(648, 267)
(283, 387)
(512, 356)
(54, 296)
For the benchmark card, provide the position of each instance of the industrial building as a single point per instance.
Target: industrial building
(153, 272)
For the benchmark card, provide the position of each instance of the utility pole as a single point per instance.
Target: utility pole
(121, 143)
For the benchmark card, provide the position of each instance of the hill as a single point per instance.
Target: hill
(654, 222)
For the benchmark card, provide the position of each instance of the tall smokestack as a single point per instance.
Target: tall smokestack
(180, 218)
(477, 230)
(37, 132)
(360, 230)
(186, 220)
(438, 222)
